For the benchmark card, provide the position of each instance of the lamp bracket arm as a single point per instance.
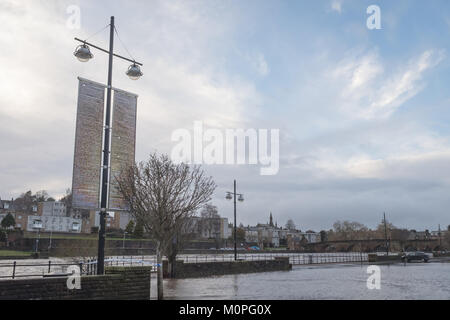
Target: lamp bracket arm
(106, 51)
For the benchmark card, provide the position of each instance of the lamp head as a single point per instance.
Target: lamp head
(83, 53)
(134, 72)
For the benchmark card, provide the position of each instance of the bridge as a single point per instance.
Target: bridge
(370, 245)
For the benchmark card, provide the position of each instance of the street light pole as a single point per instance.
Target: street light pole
(241, 198)
(385, 234)
(83, 54)
(439, 234)
(124, 236)
(235, 227)
(50, 242)
(37, 240)
(106, 154)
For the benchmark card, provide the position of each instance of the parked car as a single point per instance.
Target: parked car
(415, 256)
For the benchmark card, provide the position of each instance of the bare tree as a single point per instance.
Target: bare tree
(349, 230)
(25, 202)
(164, 195)
(380, 229)
(209, 220)
(178, 243)
(447, 239)
(42, 196)
(67, 200)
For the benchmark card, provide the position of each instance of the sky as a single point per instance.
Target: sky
(363, 114)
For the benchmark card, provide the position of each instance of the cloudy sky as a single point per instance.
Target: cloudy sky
(363, 114)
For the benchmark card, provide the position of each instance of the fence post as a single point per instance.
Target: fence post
(14, 270)
(49, 265)
(81, 268)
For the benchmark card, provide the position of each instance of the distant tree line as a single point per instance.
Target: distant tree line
(352, 230)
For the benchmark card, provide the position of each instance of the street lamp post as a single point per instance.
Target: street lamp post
(232, 195)
(439, 234)
(83, 54)
(385, 234)
(50, 242)
(124, 236)
(37, 225)
(37, 239)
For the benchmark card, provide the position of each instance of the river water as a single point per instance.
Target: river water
(343, 281)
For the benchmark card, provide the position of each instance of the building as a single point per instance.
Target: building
(418, 235)
(114, 220)
(209, 228)
(10, 206)
(54, 224)
(21, 218)
(270, 235)
(295, 241)
(52, 217)
(225, 231)
(6, 206)
(49, 216)
(251, 235)
(51, 208)
(311, 236)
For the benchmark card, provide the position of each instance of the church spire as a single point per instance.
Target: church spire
(271, 220)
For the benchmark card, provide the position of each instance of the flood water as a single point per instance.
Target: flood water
(343, 281)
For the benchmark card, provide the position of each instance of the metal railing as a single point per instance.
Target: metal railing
(125, 261)
(295, 259)
(88, 266)
(42, 269)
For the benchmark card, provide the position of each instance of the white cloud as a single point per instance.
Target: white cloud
(386, 151)
(369, 92)
(358, 72)
(404, 85)
(336, 5)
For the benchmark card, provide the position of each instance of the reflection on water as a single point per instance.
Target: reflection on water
(411, 281)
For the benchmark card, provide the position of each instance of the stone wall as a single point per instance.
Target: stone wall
(205, 269)
(119, 283)
(88, 247)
